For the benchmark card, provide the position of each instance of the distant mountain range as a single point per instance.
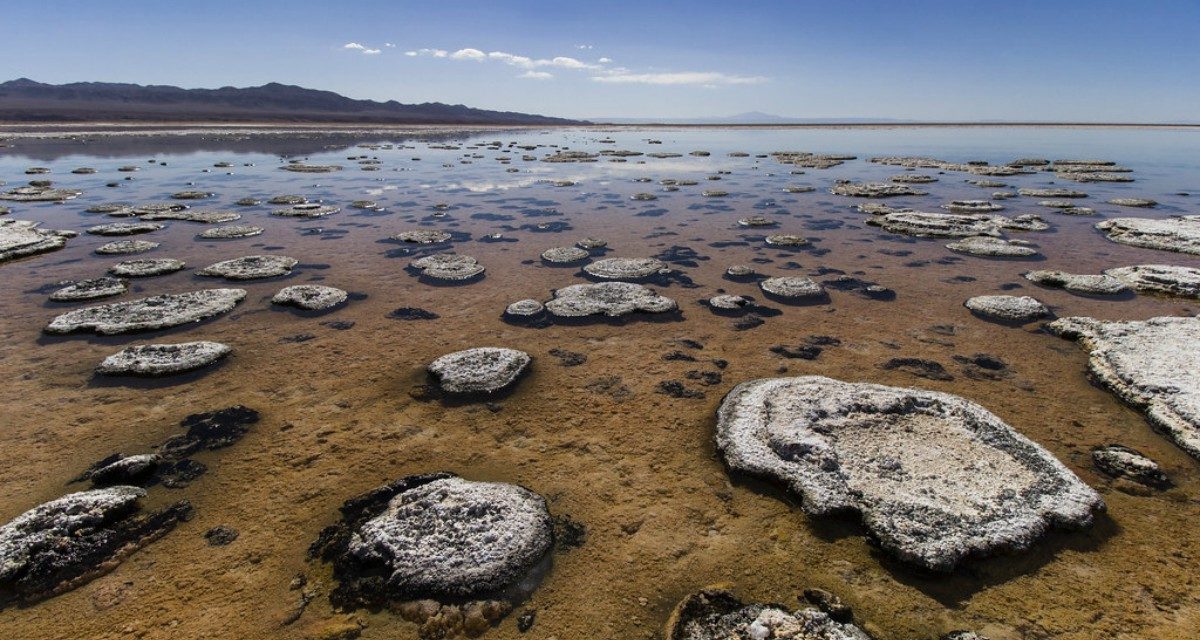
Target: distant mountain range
(26, 101)
(750, 117)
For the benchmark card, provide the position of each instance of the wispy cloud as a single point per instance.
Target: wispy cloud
(365, 50)
(600, 69)
(705, 78)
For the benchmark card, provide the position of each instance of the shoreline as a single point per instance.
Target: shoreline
(13, 130)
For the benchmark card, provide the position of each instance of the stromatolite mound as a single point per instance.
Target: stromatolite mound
(1153, 365)
(565, 255)
(123, 228)
(972, 206)
(1009, 309)
(123, 247)
(954, 225)
(479, 370)
(1167, 234)
(423, 236)
(992, 247)
(250, 267)
(1051, 193)
(786, 240)
(715, 614)
(874, 190)
(39, 194)
(20, 238)
(1123, 462)
(148, 314)
(450, 554)
(526, 308)
(936, 478)
(311, 297)
(162, 359)
(64, 543)
(1086, 284)
(146, 267)
(203, 217)
(1159, 278)
(307, 210)
(793, 288)
(449, 268)
(1144, 203)
(230, 232)
(610, 299)
(300, 167)
(90, 289)
(625, 268)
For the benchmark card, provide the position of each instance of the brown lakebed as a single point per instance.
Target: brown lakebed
(341, 411)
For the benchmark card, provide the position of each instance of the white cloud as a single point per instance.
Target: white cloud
(371, 52)
(469, 54)
(601, 73)
(353, 45)
(705, 78)
(389, 45)
(584, 47)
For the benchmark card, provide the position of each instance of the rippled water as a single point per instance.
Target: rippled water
(637, 467)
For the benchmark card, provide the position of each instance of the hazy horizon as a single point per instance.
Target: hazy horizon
(917, 61)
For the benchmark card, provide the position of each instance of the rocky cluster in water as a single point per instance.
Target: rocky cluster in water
(936, 478)
(147, 314)
(479, 370)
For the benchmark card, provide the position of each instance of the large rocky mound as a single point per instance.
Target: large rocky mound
(148, 314)
(610, 299)
(715, 614)
(435, 536)
(20, 238)
(479, 370)
(1153, 365)
(935, 477)
(1168, 234)
(64, 543)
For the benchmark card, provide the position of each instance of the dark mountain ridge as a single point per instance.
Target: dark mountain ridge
(25, 100)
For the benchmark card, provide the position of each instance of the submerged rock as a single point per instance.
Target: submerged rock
(1123, 462)
(162, 359)
(793, 288)
(935, 477)
(449, 267)
(230, 232)
(1133, 202)
(875, 190)
(20, 238)
(423, 236)
(479, 370)
(123, 228)
(992, 246)
(972, 206)
(938, 225)
(1012, 309)
(203, 217)
(565, 255)
(625, 268)
(122, 247)
(39, 194)
(311, 297)
(67, 542)
(611, 299)
(1159, 278)
(148, 314)
(786, 240)
(146, 267)
(300, 167)
(1167, 234)
(715, 614)
(1052, 193)
(1087, 284)
(1153, 365)
(307, 210)
(250, 267)
(90, 289)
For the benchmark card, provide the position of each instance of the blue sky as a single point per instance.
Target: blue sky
(1078, 60)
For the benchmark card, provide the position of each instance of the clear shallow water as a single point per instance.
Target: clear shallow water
(635, 466)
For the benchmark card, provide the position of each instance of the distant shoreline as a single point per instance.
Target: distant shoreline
(26, 130)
